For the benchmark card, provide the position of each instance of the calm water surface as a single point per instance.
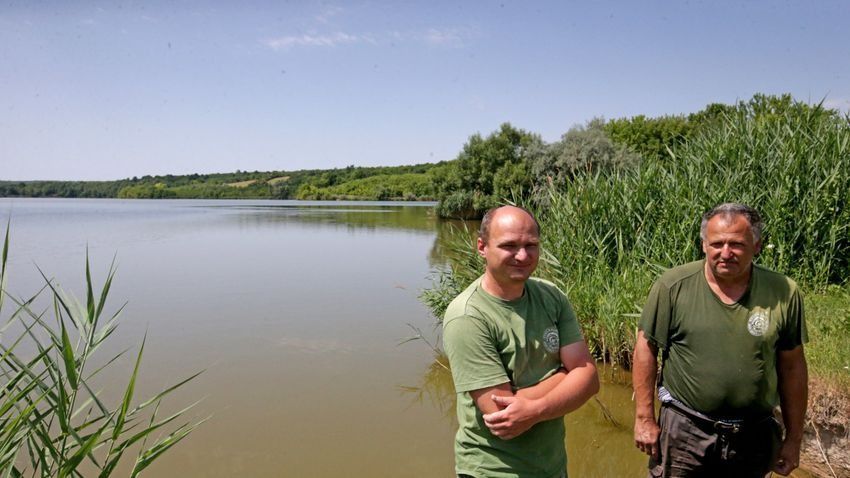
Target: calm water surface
(295, 311)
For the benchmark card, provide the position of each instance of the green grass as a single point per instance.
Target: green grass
(53, 421)
(828, 350)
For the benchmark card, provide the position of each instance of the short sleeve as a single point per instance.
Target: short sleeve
(794, 332)
(655, 318)
(569, 331)
(473, 356)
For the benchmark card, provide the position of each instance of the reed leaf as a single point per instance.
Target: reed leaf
(44, 431)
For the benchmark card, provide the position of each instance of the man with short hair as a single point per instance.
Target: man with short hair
(518, 359)
(731, 337)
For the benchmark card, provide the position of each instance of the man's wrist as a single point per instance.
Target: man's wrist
(642, 412)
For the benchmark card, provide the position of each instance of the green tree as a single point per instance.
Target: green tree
(468, 186)
(649, 137)
(582, 149)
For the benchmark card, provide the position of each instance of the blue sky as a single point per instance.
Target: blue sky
(109, 90)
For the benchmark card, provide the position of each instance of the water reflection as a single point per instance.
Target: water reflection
(410, 217)
(435, 388)
(448, 232)
(599, 434)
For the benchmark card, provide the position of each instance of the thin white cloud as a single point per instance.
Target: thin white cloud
(338, 38)
(447, 37)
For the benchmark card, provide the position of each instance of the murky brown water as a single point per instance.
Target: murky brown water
(294, 310)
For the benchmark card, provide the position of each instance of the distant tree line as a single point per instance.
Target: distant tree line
(384, 183)
(509, 163)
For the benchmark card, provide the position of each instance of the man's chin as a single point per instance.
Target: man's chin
(727, 272)
(520, 277)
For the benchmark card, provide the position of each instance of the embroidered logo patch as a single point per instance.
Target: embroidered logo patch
(757, 323)
(551, 340)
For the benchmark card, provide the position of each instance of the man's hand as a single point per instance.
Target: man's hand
(515, 417)
(646, 436)
(789, 457)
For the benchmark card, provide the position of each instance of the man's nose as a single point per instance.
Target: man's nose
(521, 254)
(726, 251)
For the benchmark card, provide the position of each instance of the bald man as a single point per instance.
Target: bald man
(518, 358)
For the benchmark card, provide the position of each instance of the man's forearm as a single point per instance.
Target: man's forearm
(543, 387)
(575, 388)
(569, 390)
(644, 376)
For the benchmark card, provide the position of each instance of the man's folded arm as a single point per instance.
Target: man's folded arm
(483, 398)
(568, 391)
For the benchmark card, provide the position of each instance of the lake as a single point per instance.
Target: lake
(295, 311)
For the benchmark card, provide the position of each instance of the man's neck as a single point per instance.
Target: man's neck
(510, 291)
(731, 290)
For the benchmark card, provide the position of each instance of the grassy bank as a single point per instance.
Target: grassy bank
(828, 353)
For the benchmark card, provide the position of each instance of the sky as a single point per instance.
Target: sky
(111, 90)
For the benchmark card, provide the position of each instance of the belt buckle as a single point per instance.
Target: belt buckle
(732, 428)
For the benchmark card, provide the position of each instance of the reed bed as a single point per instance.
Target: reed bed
(607, 235)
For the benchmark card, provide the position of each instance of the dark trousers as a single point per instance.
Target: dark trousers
(695, 447)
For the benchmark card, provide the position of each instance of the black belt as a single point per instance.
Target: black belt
(726, 425)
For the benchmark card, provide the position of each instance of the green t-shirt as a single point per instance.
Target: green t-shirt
(490, 341)
(720, 359)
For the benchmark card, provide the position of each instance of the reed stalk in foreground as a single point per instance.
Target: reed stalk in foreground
(53, 423)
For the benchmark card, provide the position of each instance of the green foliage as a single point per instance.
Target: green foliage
(467, 188)
(512, 180)
(68, 189)
(582, 149)
(147, 191)
(828, 320)
(649, 137)
(607, 234)
(52, 421)
(464, 266)
(382, 187)
(392, 183)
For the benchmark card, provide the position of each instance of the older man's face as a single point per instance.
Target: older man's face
(729, 248)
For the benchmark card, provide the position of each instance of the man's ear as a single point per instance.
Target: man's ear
(481, 246)
(758, 247)
(703, 248)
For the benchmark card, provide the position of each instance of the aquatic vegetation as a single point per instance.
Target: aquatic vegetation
(54, 422)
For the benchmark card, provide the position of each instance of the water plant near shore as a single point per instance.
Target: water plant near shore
(53, 420)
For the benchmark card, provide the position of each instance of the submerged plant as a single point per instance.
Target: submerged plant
(53, 422)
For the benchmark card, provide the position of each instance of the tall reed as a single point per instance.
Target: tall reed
(53, 422)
